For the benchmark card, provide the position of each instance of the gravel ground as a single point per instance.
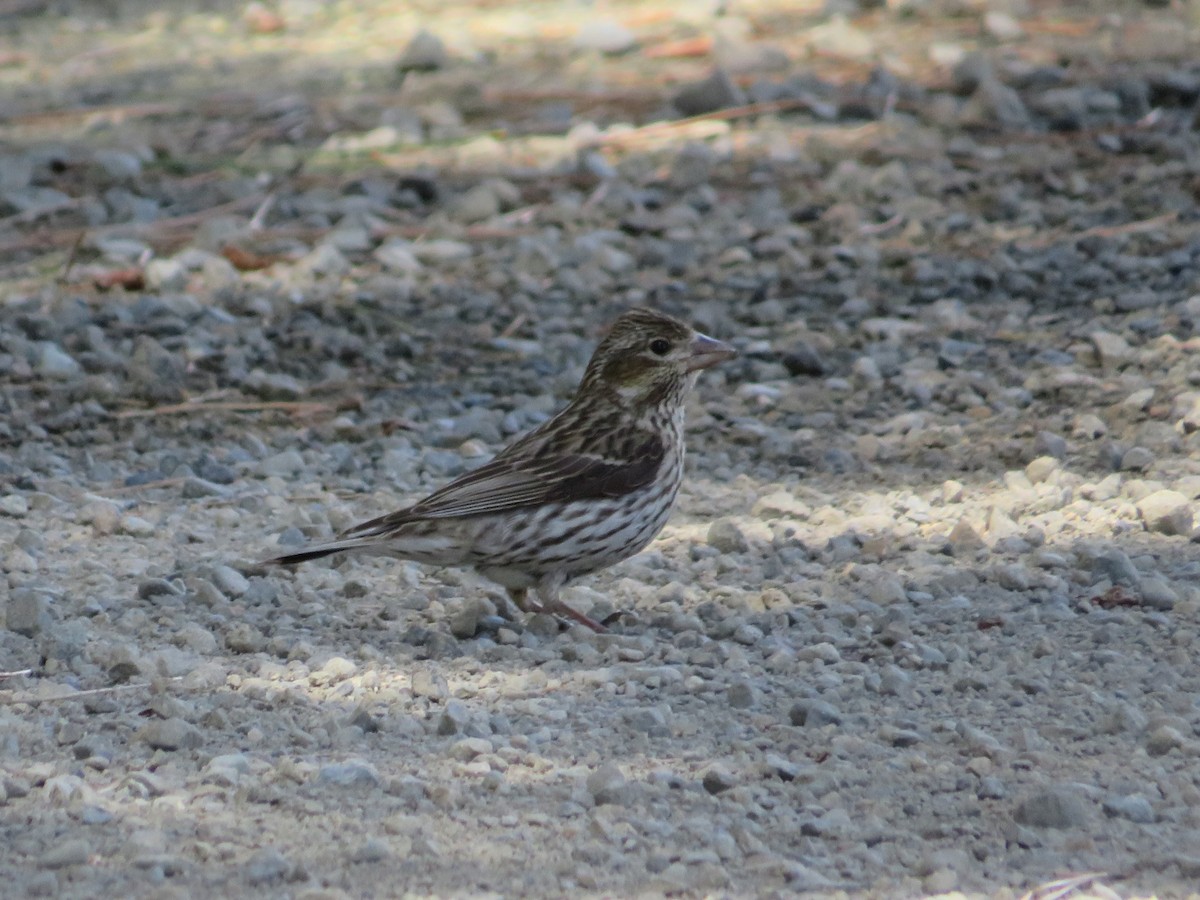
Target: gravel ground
(926, 619)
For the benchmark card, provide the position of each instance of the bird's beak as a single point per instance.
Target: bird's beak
(707, 352)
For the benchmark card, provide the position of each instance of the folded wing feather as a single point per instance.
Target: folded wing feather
(500, 486)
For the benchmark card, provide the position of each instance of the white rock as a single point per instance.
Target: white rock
(1166, 512)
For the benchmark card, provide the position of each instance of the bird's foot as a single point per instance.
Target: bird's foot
(547, 602)
(561, 609)
(619, 615)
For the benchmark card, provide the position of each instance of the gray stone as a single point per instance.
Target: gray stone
(1163, 739)
(335, 670)
(964, 540)
(268, 866)
(991, 788)
(1042, 468)
(171, 734)
(1122, 717)
(1064, 107)
(814, 714)
(284, 464)
(1133, 807)
(1112, 350)
(840, 37)
(442, 251)
(607, 784)
(397, 256)
(1137, 459)
(1002, 26)
(469, 748)
(324, 261)
(1115, 565)
(71, 852)
(165, 275)
(605, 35)
(229, 580)
(227, 768)
(430, 684)
(1132, 301)
(136, 526)
(782, 767)
(717, 91)
(1050, 444)
(155, 373)
(1053, 807)
(197, 489)
(886, 590)
(802, 358)
(54, 362)
(971, 71)
(274, 385)
(476, 204)
(1158, 594)
(16, 171)
(148, 588)
(351, 773)
(1089, 426)
(649, 720)
(725, 536)
(996, 104)
(28, 612)
(454, 719)
(742, 695)
(120, 165)
(14, 506)
(894, 681)
(464, 624)
(424, 53)
(1013, 577)
(372, 850)
(834, 823)
(717, 779)
(242, 637)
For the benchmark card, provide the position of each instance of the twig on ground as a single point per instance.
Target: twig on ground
(880, 227)
(514, 326)
(260, 214)
(658, 129)
(71, 256)
(113, 113)
(291, 406)
(1107, 231)
(26, 697)
(145, 485)
(60, 237)
(473, 233)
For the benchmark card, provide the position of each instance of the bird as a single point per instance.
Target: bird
(589, 487)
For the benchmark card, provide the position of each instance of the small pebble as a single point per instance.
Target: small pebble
(71, 852)
(717, 779)
(352, 773)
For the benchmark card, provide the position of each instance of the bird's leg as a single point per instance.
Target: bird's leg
(547, 592)
(520, 599)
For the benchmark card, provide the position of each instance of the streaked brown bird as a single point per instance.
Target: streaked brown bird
(588, 488)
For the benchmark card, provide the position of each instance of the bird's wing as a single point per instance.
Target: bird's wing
(508, 483)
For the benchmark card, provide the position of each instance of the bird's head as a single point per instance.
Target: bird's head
(650, 359)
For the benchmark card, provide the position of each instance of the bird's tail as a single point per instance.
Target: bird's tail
(316, 551)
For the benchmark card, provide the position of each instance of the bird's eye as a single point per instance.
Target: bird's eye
(660, 346)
